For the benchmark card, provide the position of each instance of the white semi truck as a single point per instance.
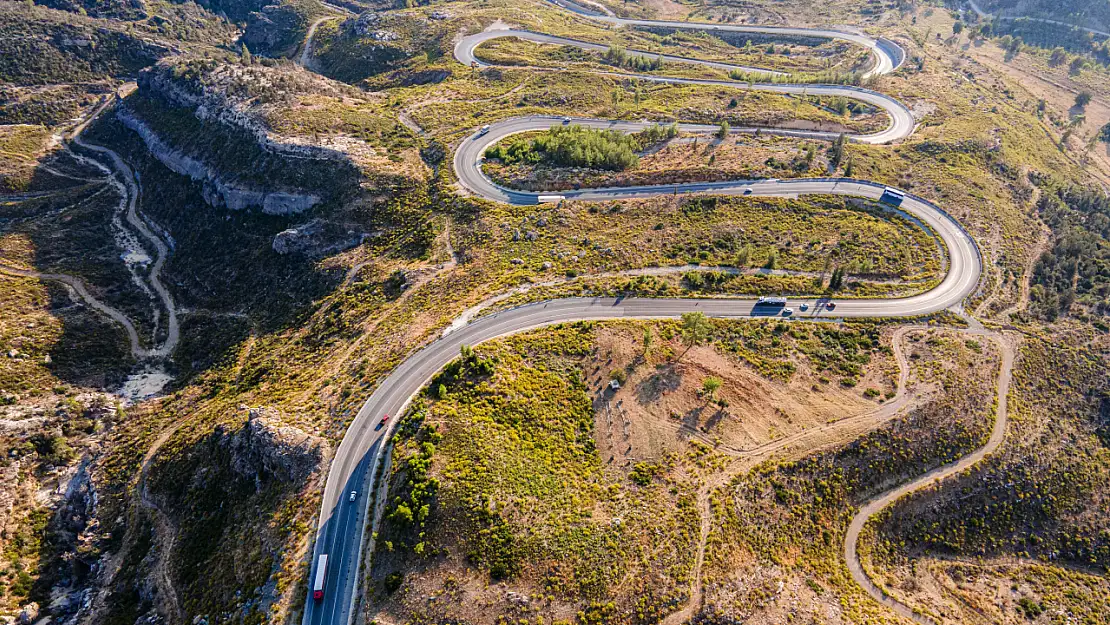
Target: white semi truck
(321, 579)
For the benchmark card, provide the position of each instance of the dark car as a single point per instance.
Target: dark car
(830, 305)
(381, 423)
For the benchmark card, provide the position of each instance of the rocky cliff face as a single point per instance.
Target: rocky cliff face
(266, 448)
(317, 238)
(217, 101)
(217, 191)
(277, 28)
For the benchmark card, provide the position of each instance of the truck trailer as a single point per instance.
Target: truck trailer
(892, 196)
(770, 301)
(321, 578)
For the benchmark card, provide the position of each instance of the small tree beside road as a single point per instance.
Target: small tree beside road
(695, 330)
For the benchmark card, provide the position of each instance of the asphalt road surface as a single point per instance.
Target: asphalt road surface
(341, 533)
(887, 54)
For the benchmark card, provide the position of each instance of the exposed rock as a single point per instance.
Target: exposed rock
(297, 239)
(364, 23)
(265, 447)
(216, 191)
(219, 100)
(440, 15)
(29, 613)
(314, 239)
(272, 28)
(407, 78)
(282, 203)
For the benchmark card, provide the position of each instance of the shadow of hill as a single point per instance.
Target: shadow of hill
(222, 268)
(60, 224)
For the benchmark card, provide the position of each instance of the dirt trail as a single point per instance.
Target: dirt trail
(78, 286)
(798, 445)
(1023, 298)
(306, 47)
(126, 177)
(997, 437)
(877, 504)
(124, 180)
(1043, 242)
(410, 123)
(165, 532)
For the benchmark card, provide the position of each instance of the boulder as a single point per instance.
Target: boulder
(298, 239)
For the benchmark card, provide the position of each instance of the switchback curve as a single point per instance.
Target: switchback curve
(356, 461)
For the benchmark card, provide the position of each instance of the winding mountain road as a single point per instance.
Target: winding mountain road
(341, 533)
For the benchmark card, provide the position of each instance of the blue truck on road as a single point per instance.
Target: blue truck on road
(892, 196)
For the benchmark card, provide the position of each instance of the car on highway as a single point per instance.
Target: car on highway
(566, 120)
(786, 312)
(354, 495)
(804, 307)
(484, 130)
(830, 305)
(747, 190)
(381, 423)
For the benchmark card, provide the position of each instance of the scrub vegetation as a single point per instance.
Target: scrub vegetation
(1038, 505)
(713, 482)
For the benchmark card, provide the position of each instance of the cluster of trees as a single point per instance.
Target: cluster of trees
(656, 133)
(468, 366)
(573, 146)
(1059, 38)
(1078, 265)
(830, 77)
(620, 58)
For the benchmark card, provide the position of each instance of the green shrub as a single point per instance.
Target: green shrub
(643, 473)
(1030, 608)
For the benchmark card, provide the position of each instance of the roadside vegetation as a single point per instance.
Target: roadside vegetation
(818, 235)
(492, 488)
(513, 460)
(678, 159)
(1074, 276)
(777, 539)
(504, 471)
